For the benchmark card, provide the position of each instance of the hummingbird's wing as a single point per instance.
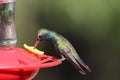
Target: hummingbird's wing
(70, 54)
(77, 63)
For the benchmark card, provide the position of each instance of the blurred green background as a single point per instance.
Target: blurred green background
(92, 26)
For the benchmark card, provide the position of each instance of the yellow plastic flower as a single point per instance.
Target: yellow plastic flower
(34, 50)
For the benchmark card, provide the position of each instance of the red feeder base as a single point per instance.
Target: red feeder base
(20, 64)
(17, 74)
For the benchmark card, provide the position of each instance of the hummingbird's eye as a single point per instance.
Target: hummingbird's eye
(39, 37)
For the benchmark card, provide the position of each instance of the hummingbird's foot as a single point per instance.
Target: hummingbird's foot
(62, 59)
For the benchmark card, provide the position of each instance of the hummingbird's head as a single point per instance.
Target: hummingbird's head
(44, 34)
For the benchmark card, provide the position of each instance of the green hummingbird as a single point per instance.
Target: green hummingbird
(65, 49)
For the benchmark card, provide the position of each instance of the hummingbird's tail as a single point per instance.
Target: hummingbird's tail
(85, 68)
(80, 65)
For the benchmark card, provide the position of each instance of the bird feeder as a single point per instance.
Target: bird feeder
(17, 63)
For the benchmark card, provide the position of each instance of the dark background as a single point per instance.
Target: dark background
(92, 26)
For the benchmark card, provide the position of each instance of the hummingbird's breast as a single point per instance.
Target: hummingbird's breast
(56, 40)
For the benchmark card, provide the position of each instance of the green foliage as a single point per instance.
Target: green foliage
(92, 26)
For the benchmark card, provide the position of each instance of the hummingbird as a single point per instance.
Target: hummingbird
(65, 49)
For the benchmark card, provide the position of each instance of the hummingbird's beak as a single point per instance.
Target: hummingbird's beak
(36, 43)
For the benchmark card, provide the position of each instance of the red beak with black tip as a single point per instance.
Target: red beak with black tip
(36, 43)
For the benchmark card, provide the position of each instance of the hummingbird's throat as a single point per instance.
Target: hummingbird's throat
(36, 43)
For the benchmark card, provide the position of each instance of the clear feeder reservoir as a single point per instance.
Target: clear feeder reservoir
(7, 23)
